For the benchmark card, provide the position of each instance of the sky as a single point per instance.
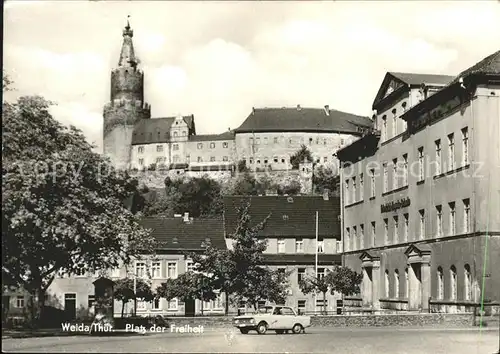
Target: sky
(217, 60)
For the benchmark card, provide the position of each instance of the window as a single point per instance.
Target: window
(437, 144)
(275, 140)
(225, 145)
(394, 173)
(374, 234)
(91, 301)
(20, 301)
(175, 158)
(265, 160)
(321, 304)
(421, 218)
(354, 237)
(451, 152)
(396, 227)
(250, 161)
(159, 148)
(325, 159)
(257, 141)
(386, 231)
(301, 306)
(354, 189)
(301, 274)
(321, 246)
(172, 270)
(188, 158)
(466, 203)
(80, 271)
(156, 269)
(347, 239)
(372, 183)
(361, 187)
(281, 245)
(396, 284)
(467, 283)
(159, 160)
(189, 266)
(405, 169)
(406, 226)
(440, 283)
(407, 283)
(324, 141)
(141, 162)
(265, 141)
(175, 133)
(310, 141)
(200, 146)
(212, 158)
(421, 163)
(140, 269)
(465, 146)
(140, 150)
(452, 218)
(384, 128)
(282, 160)
(184, 133)
(386, 293)
(439, 220)
(212, 145)
(361, 236)
(385, 177)
(394, 123)
(172, 305)
(299, 246)
(175, 147)
(275, 159)
(156, 304)
(346, 192)
(225, 158)
(453, 283)
(321, 273)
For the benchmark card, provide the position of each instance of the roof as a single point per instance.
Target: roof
(290, 216)
(419, 79)
(146, 130)
(302, 120)
(488, 66)
(189, 235)
(212, 137)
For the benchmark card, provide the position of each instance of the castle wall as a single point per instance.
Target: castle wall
(127, 83)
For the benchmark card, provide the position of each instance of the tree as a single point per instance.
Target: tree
(6, 82)
(326, 178)
(246, 184)
(292, 188)
(124, 292)
(299, 157)
(265, 284)
(313, 284)
(344, 281)
(187, 287)
(200, 196)
(242, 166)
(63, 204)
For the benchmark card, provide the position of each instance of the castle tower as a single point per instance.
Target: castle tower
(126, 106)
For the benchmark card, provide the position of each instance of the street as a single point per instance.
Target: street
(316, 340)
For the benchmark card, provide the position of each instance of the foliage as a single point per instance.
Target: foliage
(325, 178)
(247, 184)
(200, 196)
(6, 82)
(242, 166)
(62, 203)
(124, 291)
(265, 284)
(187, 286)
(345, 281)
(293, 188)
(313, 284)
(299, 157)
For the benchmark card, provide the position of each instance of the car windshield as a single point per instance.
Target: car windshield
(264, 309)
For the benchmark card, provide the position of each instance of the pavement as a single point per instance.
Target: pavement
(315, 340)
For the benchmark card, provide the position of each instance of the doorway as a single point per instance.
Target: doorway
(70, 306)
(415, 293)
(189, 308)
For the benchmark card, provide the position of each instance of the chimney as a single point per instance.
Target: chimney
(298, 107)
(253, 110)
(186, 217)
(327, 110)
(326, 191)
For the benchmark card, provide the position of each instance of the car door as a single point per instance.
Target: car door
(275, 319)
(288, 317)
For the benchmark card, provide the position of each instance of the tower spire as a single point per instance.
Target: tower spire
(127, 55)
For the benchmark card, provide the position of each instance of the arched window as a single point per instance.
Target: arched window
(386, 284)
(440, 283)
(467, 283)
(453, 283)
(407, 283)
(396, 284)
(175, 134)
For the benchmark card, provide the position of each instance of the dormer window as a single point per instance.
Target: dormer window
(184, 133)
(289, 200)
(175, 134)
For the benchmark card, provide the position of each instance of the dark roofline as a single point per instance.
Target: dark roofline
(360, 149)
(319, 130)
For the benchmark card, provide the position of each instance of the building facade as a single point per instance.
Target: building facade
(292, 242)
(265, 140)
(421, 197)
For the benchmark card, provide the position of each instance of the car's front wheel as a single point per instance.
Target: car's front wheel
(262, 328)
(297, 328)
(244, 330)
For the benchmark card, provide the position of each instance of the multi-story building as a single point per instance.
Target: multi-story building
(421, 197)
(292, 242)
(266, 139)
(176, 238)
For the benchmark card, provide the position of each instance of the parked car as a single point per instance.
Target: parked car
(278, 318)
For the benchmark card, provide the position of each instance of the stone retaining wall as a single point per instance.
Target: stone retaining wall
(397, 320)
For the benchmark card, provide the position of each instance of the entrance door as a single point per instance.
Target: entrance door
(189, 308)
(70, 306)
(415, 294)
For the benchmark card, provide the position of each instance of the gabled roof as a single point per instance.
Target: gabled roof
(302, 120)
(290, 216)
(175, 234)
(213, 137)
(394, 83)
(146, 130)
(488, 66)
